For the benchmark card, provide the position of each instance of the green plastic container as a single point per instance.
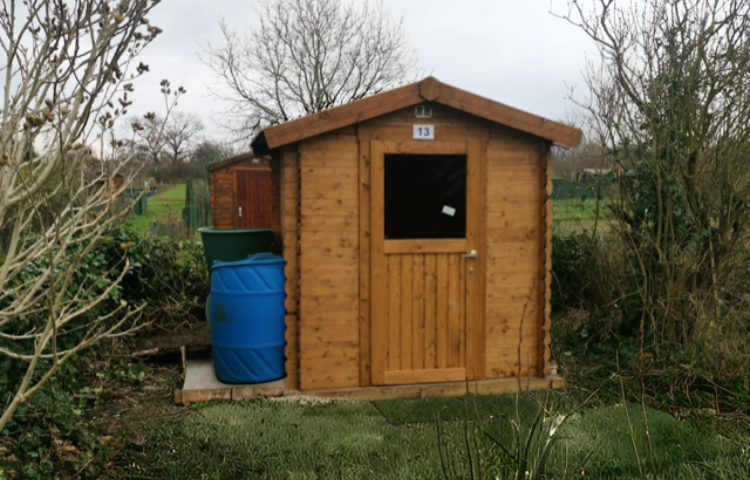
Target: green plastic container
(141, 205)
(232, 244)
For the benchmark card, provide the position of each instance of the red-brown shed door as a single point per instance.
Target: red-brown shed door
(253, 197)
(425, 262)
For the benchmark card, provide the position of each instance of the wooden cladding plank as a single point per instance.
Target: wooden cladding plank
(441, 115)
(395, 377)
(327, 373)
(322, 334)
(462, 314)
(514, 234)
(329, 286)
(404, 133)
(507, 250)
(442, 310)
(476, 283)
(222, 198)
(418, 313)
(329, 189)
(291, 351)
(503, 159)
(329, 262)
(337, 272)
(339, 174)
(394, 312)
(430, 311)
(364, 263)
(425, 246)
(329, 221)
(289, 205)
(406, 312)
(379, 312)
(454, 311)
(504, 266)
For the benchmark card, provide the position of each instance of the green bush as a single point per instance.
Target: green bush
(573, 271)
(55, 433)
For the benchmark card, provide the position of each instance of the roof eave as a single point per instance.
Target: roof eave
(429, 89)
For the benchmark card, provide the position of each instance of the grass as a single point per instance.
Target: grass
(396, 439)
(169, 202)
(576, 215)
(574, 206)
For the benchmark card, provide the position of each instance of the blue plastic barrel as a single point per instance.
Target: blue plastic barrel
(247, 319)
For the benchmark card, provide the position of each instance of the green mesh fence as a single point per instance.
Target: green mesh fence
(197, 211)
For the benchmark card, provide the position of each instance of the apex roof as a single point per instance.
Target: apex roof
(431, 90)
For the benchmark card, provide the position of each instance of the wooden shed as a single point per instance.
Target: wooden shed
(241, 192)
(416, 226)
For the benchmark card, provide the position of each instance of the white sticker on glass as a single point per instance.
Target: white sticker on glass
(450, 211)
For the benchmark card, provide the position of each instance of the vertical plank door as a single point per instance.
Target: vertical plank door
(425, 292)
(253, 197)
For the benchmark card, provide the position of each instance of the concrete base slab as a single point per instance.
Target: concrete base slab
(201, 385)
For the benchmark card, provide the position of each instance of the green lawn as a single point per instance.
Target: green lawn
(397, 439)
(577, 214)
(171, 201)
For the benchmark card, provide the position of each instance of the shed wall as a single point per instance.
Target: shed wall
(515, 243)
(327, 330)
(222, 197)
(224, 194)
(329, 262)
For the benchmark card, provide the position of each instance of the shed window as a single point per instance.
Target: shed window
(425, 196)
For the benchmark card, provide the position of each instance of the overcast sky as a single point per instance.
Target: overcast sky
(511, 51)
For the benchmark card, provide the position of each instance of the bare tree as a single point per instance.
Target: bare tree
(671, 103)
(306, 56)
(148, 144)
(66, 83)
(166, 138)
(209, 151)
(180, 133)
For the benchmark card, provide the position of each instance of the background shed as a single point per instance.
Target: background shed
(416, 226)
(241, 192)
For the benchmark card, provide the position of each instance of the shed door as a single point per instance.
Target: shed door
(253, 197)
(425, 261)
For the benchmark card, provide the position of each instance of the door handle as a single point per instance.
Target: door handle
(240, 211)
(471, 254)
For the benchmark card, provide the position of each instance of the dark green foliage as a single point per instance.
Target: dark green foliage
(55, 433)
(168, 276)
(173, 173)
(564, 189)
(573, 271)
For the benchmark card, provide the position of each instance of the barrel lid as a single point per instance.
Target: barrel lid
(231, 231)
(251, 260)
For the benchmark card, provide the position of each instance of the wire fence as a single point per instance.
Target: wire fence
(197, 211)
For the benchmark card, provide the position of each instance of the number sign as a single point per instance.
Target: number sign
(424, 132)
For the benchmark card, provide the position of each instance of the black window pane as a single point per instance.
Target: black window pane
(425, 196)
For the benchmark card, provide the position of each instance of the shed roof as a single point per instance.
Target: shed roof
(228, 162)
(431, 90)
